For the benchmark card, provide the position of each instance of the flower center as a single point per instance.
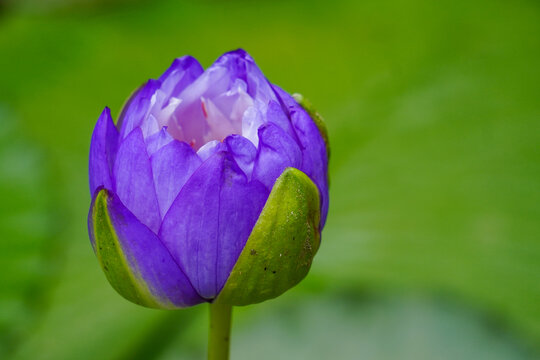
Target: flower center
(207, 117)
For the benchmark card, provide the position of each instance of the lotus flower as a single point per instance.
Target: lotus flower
(212, 187)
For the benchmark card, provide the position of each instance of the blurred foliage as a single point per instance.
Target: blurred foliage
(433, 114)
(405, 328)
(62, 6)
(28, 250)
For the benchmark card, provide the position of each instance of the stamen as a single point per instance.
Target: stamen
(203, 107)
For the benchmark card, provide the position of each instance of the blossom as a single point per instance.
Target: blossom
(211, 187)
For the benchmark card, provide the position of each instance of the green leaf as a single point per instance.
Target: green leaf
(281, 247)
(112, 259)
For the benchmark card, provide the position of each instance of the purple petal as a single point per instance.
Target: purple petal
(134, 180)
(157, 141)
(314, 156)
(182, 72)
(213, 105)
(149, 126)
(210, 148)
(242, 66)
(103, 148)
(234, 101)
(243, 151)
(275, 114)
(172, 166)
(155, 95)
(219, 124)
(150, 259)
(210, 221)
(286, 99)
(277, 151)
(137, 108)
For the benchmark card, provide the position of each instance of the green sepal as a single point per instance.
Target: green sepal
(111, 256)
(281, 247)
(317, 118)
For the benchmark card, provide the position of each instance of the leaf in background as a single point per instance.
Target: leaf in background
(27, 228)
(378, 328)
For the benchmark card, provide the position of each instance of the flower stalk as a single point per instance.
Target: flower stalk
(219, 331)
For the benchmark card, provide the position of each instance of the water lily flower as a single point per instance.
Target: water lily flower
(212, 187)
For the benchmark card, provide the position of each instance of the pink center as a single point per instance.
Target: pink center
(200, 115)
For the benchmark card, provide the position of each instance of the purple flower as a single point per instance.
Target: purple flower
(184, 180)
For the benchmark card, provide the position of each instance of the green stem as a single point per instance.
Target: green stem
(220, 332)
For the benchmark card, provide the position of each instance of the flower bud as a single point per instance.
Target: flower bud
(212, 187)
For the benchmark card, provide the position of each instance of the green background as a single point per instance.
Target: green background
(431, 249)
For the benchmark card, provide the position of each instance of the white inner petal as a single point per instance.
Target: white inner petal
(198, 116)
(251, 121)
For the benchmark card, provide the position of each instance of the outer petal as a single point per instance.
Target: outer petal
(286, 99)
(155, 95)
(157, 141)
(277, 151)
(182, 72)
(133, 258)
(172, 166)
(242, 66)
(243, 151)
(137, 108)
(314, 156)
(134, 180)
(208, 224)
(276, 114)
(316, 117)
(102, 152)
(313, 145)
(210, 148)
(281, 247)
